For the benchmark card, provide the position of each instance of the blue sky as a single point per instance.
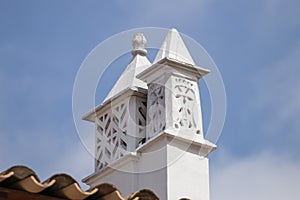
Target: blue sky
(255, 44)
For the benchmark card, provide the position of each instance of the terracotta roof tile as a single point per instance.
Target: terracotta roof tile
(63, 186)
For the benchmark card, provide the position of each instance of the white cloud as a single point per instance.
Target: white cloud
(261, 177)
(75, 161)
(46, 153)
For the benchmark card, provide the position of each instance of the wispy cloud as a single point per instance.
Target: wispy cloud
(264, 176)
(47, 153)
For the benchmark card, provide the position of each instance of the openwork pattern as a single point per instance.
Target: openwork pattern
(111, 132)
(141, 121)
(156, 109)
(185, 96)
(120, 130)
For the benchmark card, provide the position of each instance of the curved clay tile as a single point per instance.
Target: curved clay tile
(74, 191)
(23, 178)
(105, 188)
(5, 176)
(112, 196)
(106, 191)
(67, 187)
(62, 180)
(31, 184)
(143, 195)
(64, 186)
(21, 172)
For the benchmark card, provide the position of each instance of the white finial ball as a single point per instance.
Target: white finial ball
(139, 42)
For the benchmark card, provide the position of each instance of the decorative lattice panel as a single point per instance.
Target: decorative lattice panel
(120, 130)
(156, 109)
(111, 131)
(173, 105)
(141, 121)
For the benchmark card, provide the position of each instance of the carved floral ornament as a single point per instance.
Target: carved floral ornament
(185, 96)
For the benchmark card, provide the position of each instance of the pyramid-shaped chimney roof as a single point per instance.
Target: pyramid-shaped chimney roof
(173, 47)
(138, 64)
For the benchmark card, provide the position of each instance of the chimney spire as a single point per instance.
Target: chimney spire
(173, 47)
